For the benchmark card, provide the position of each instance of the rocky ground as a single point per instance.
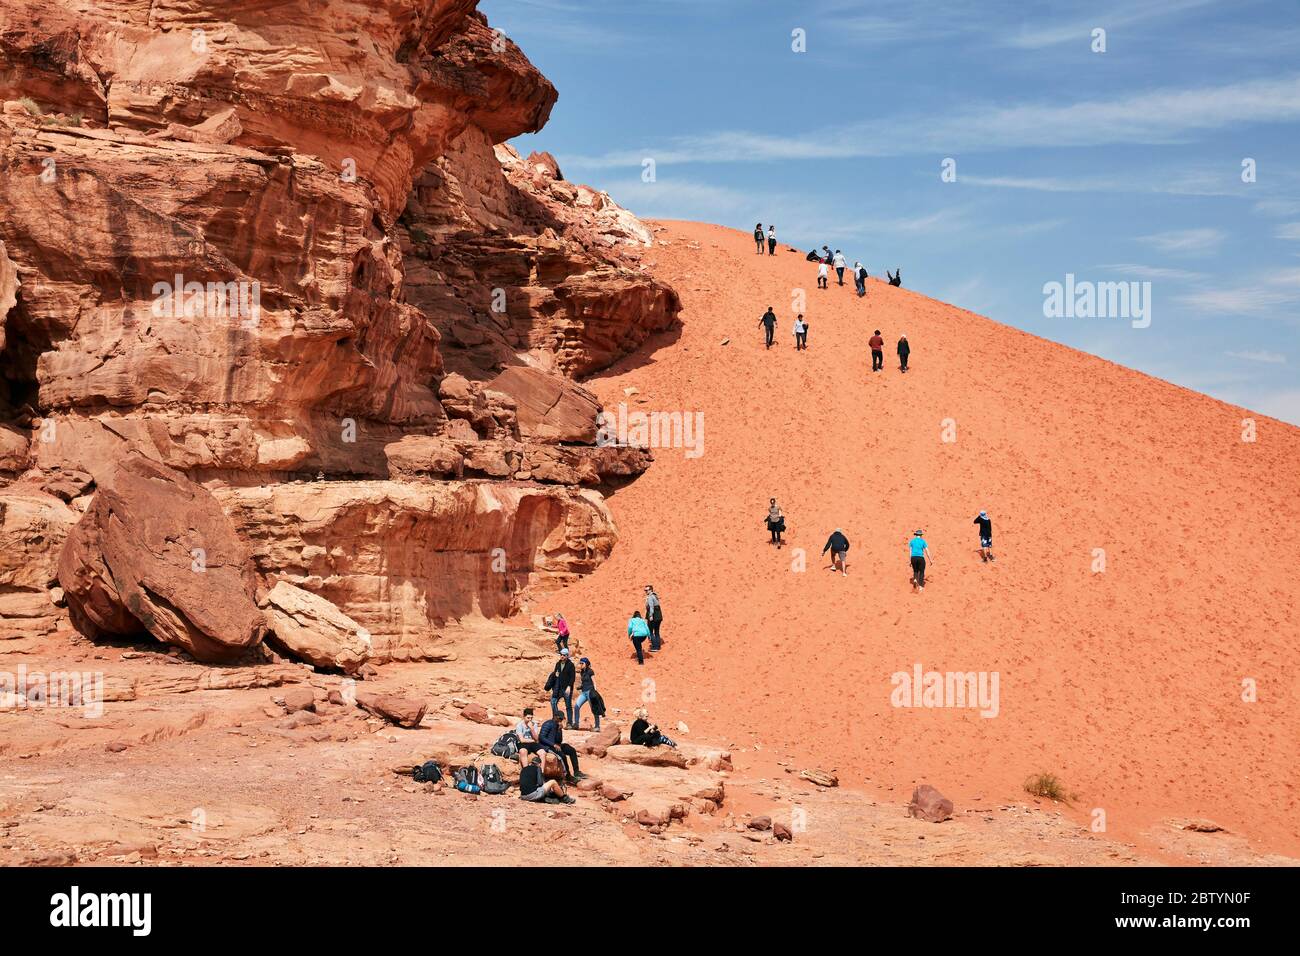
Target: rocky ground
(201, 765)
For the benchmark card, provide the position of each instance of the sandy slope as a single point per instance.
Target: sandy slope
(1127, 684)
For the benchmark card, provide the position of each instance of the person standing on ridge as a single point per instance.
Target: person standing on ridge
(560, 684)
(758, 237)
(771, 240)
(838, 546)
(839, 265)
(877, 351)
(654, 616)
(775, 522)
(800, 333)
(986, 535)
(920, 552)
(904, 350)
(768, 322)
(638, 630)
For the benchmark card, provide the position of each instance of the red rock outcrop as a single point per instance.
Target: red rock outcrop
(248, 242)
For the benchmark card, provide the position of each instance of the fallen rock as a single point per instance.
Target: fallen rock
(760, 823)
(598, 743)
(929, 804)
(155, 553)
(398, 710)
(299, 698)
(308, 627)
(782, 832)
(647, 756)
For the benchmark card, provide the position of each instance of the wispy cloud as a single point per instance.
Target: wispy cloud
(1260, 355)
(1168, 115)
(1079, 31)
(1150, 272)
(1288, 230)
(1185, 242)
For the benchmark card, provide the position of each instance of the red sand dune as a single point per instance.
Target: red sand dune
(1127, 684)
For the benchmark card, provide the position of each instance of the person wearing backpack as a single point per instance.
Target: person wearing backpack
(638, 630)
(560, 684)
(535, 788)
(587, 686)
(654, 615)
(860, 278)
(758, 237)
(551, 740)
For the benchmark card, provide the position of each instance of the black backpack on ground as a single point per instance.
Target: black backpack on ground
(427, 772)
(507, 745)
(491, 780)
(466, 775)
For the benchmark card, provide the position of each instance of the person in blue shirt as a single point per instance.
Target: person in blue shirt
(638, 630)
(920, 552)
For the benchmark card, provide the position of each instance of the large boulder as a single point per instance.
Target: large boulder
(403, 711)
(310, 628)
(33, 525)
(929, 804)
(155, 553)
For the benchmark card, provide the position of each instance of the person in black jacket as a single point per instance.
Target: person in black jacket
(768, 322)
(904, 350)
(560, 684)
(646, 734)
(986, 535)
(758, 237)
(587, 686)
(551, 739)
(535, 788)
(838, 546)
(654, 616)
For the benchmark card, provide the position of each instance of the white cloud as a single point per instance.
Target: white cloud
(1288, 230)
(1259, 355)
(1150, 272)
(1186, 242)
(1080, 31)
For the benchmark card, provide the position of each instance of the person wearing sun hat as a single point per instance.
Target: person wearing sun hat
(920, 551)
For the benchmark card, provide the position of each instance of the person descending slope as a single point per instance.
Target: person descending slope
(775, 522)
(758, 238)
(986, 535)
(919, 552)
(768, 322)
(800, 333)
(838, 546)
(904, 350)
(877, 351)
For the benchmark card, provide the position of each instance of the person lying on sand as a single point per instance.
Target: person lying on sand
(646, 734)
(775, 522)
(838, 545)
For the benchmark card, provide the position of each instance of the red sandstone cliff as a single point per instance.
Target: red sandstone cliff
(280, 251)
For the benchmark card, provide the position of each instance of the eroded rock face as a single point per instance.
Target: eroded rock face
(33, 526)
(249, 243)
(155, 554)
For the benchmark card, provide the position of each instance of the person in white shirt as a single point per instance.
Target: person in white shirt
(822, 282)
(771, 240)
(839, 265)
(800, 333)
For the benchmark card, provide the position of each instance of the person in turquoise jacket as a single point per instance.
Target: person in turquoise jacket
(638, 630)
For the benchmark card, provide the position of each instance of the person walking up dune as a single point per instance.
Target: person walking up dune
(771, 240)
(838, 546)
(986, 535)
(768, 322)
(859, 278)
(822, 281)
(800, 333)
(638, 630)
(904, 350)
(758, 238)
(839, 264)
(654, 616)
(919, 553)
(775, 522)
(877, 344)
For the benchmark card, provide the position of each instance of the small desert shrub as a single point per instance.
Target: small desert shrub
(1048, 785)
(31, 106)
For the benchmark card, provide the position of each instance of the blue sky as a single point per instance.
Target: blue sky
(1117, 166)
